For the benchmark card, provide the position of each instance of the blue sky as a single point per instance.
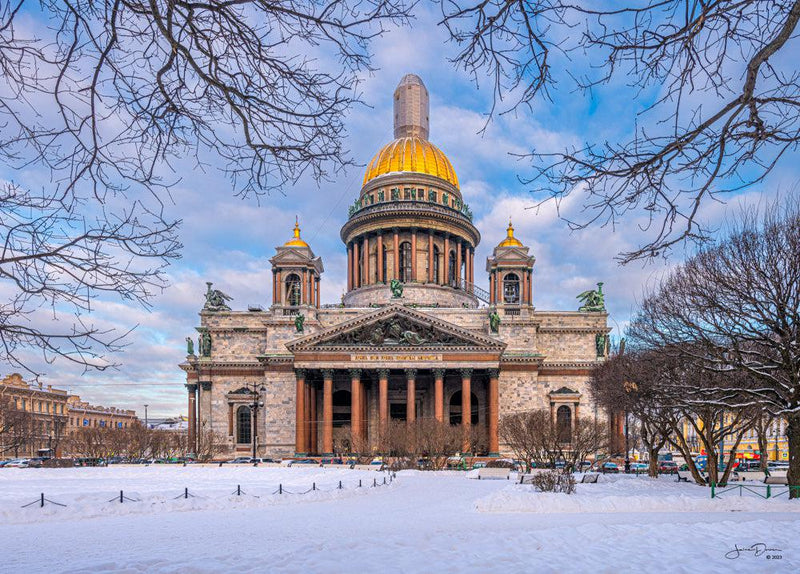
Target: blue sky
(229, 240)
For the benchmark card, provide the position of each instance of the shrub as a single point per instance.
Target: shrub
(554, 481)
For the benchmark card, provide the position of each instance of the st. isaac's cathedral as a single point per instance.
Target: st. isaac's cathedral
(418, 334)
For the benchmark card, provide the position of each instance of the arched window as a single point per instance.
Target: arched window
(405, 262)
(243, 426)
(564, 423)
(511, 288)
(293, 289)
(455, 408)
(341, 408)
(451, 270)
(435, 270)
(383, 265)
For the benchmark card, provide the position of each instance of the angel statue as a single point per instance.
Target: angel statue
(215, 299)
(189, 346)
(593, 300)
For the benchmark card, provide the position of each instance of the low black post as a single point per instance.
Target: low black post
(340, 485)
(359, 483)
(238, 490)
(374, 482)
(41, 502)
(313, 486)
(186, 492)
(280, 489)
(120, 497)
(384, 480)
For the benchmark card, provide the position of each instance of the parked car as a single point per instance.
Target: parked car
(479, 464)
(609, 468)
(241, 460)
(302, 461)
(667, 467)
(331, 460)
(638, 467)
(584, 465)
(17, 463)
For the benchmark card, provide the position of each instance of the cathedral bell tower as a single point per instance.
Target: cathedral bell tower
(510, 269)
(296, 274)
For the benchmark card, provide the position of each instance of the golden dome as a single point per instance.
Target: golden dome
(296, 241)
(412, 154)
(510, 240)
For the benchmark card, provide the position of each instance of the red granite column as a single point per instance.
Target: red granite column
(379, 259)
(300, 409)
(446, 274)
(350, 267)
(458, 263)
(491, 288)
(431, 278)
(327, 412)
(356, 270)
(314, 425)
(383, 398)
(355, 407)
(192, 446)
(438, 394)
(316, 280)
(494, 403)
(413, 254)
(304, 292)
(466, 406)
(307, 418)
(366, 260)
(396, 248)
(411, 395)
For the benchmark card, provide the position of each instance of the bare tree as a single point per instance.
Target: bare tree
(209, 444)
(723, 93)
(736, 306)
(103, 99)
(16, 427)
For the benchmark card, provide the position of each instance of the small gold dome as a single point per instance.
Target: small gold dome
(412, 154)
(296, 241)
(510, 240)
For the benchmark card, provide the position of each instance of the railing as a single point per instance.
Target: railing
(473, 289)
(765, 491)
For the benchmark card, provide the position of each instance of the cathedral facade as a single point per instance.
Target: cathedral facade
(415, 337)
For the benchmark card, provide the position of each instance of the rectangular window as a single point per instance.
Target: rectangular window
(421, 194)
(24, 405)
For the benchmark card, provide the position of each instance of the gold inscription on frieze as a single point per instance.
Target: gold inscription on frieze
(394, 358)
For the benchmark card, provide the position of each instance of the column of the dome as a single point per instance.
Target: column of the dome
(491, 288)
(431, 278)
(274, 286)
(524, 290)
(349, 267)
(458, 263)
(446, 274)
(356, 266)
(316, 297)
(304, 290)
(396, 247)
(472, 264)
(379, 260)
(498, 287)
(413, 254)
(280, 288)
(366, 260)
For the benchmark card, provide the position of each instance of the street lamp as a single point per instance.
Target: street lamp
(257, 403)
(145, 417)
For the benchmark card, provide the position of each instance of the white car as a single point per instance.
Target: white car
(17, 463)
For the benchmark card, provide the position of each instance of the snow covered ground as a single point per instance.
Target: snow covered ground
(421, 522)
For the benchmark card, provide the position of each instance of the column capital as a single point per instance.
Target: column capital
(494, 373)
(205, 385)
(466, 372)
(300, 374)
(383, 373)
(439, 373)
(327, 373)
(191, 387)
(354, 373)
(411, 374)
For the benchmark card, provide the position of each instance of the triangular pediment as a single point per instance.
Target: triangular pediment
(396, 327)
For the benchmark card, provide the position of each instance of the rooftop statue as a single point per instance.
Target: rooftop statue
(593, 300)
(494, 322)
(216, 299)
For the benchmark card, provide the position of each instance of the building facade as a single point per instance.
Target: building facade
(418, 334)
(34, 418)
(85, 415)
